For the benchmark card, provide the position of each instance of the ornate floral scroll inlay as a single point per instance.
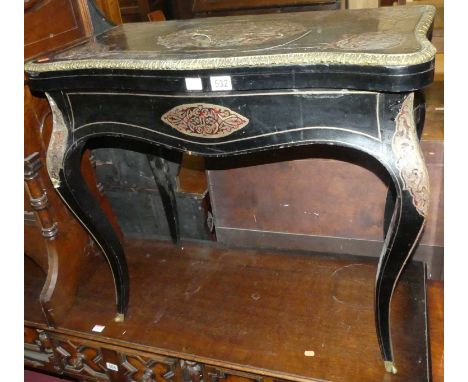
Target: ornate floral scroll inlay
(409, 158)
(204, 120)
(57, 145)
(265, 41)
(369, 41)
(231, 34)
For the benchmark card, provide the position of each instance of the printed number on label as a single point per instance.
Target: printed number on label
(221, 83)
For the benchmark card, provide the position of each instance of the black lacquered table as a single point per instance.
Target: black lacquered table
(227, 86)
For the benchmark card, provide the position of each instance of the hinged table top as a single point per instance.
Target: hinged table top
(383, 49)
(388, 36)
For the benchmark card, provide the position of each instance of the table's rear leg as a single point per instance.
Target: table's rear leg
(161, 175)
(75, 193)
(412, 202)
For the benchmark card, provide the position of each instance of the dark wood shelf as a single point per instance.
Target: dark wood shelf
(255, 311)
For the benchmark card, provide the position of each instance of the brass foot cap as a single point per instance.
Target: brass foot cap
(390, 367)
(119, 317)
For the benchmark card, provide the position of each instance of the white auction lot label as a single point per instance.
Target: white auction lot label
(193, 83)
(220, 83)
(112, 366)
(98, 328)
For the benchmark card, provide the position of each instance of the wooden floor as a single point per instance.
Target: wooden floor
(436, 328)
(253, 310)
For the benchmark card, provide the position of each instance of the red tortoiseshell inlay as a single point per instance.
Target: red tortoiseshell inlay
(204, 120)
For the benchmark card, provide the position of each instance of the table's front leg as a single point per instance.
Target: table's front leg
(64, 167)
(411, 180)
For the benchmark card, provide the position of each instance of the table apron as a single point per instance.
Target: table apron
(229, 123)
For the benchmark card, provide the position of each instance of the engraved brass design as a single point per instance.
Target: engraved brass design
(317, 52)
(231, 34)
(409, 158)
(57, 145)
(369, 41)
(204, 120)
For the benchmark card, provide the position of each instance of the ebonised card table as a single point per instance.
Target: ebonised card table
(227, 86)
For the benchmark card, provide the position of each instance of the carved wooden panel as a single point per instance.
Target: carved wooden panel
(38, 350)
(80, 359)
(192, 371)
(143, 369)
(90, 360)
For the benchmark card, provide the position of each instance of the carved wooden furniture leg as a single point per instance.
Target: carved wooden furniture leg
(40, 203)
(38, 197)
(412, 189)
(59, 288)
(64, 166)
(160, 169)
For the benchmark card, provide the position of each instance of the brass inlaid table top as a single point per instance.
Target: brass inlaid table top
(389, 36)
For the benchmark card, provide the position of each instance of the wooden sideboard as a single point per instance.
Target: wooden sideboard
(181, 9)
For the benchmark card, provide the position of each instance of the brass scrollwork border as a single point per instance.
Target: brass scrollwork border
(409, 157)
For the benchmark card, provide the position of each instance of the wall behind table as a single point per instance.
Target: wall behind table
(326, 199)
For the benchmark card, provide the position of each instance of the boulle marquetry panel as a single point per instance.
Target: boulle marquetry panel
(230, 34)
(204, 120)
(409, 159)
(368, 37)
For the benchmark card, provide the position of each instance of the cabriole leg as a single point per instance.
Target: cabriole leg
(64, 167)
(409, 215)
(75, 193)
